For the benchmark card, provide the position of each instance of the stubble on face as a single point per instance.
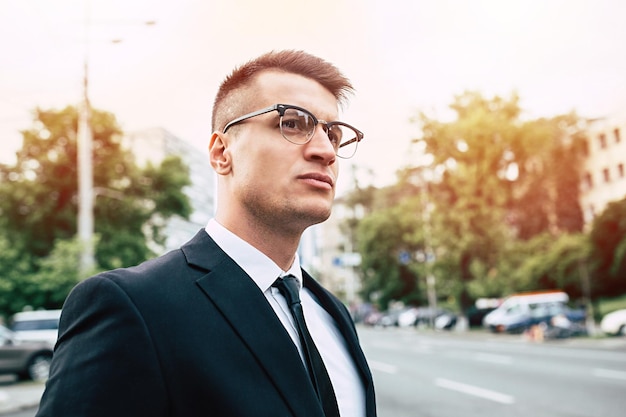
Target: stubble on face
(265, 165)
(282, 213)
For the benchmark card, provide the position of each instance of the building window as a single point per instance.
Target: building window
(602, 141)
(620, 170)
(606, 174)
(585, 145)
(618, 139)
(588, 181)
(590, 213)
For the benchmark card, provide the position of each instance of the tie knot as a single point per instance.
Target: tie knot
(289, 288)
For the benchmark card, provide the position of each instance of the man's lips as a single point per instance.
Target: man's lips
(315, 177)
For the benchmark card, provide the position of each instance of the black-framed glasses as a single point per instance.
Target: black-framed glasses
(297, 125)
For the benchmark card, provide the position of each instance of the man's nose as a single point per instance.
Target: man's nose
(320, 142)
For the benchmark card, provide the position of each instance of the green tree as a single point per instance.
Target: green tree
(474, 155)
(547, 262)
(14, 265)
(50, 284)
(149, 196)
(388, 240)
(548, 156)
(38, 194)
(608, 251)
(494, 196)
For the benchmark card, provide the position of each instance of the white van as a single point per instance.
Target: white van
(38, 326)
(520, 311)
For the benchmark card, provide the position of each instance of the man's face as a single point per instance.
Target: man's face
(277, 182)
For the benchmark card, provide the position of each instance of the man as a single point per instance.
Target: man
(204, 331)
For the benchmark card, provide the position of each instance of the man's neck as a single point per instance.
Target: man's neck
(277, 243)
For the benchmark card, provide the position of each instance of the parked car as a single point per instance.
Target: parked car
(614, 323)
(476, 315)
(372, 318)
(446, 321)
(28, 360)
(561, 327)
(390, 318)
(521, 311)
(37, 326)
(425, 316)
(408, 317)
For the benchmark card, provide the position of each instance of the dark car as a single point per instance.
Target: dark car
(476, 315)
(28, 360)
(546, 314)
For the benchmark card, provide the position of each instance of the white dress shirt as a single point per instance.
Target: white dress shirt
(343, 373)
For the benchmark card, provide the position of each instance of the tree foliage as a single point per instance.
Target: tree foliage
(548, 262)
(608, 240)
(14, 265)
(38, 199)
(391, 237)
(498, 188)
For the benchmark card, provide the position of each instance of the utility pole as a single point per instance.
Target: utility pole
(429, 258)
(85, 183)
(85, 167)
(86, 193)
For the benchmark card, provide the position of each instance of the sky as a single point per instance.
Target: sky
(403, 57)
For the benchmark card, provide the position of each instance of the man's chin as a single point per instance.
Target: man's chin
(312, 215)
(323, 216)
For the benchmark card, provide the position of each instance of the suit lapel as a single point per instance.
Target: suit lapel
(347, 329)
(243, 306)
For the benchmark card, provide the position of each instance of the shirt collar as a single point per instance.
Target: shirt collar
(256, 264)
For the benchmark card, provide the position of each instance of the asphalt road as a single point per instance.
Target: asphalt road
(447, 374)
(428, 374)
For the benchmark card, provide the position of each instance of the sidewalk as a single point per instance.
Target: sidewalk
(19, 395)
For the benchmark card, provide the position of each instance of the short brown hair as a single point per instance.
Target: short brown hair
(290, 61)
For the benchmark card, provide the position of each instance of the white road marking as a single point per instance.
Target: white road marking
(474, 390)
(609, 373)
(383, 367)
(4, 397)
(422, 349)
(493, 358)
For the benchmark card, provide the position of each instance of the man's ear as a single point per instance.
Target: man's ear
(218, 154)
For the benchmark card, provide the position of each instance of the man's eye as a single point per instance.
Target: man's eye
(290, 124)
(335, 135)
(297, 125)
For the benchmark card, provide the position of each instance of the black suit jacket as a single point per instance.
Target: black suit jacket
(186, 334)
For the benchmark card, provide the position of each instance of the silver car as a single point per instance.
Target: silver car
(37, 326)
(28, 360)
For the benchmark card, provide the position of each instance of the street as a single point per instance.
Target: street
(450, 374)
(447, 374)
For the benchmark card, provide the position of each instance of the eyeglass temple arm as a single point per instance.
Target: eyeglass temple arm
(249, 115)
(357, 139)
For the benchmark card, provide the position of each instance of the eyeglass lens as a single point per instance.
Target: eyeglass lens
(298, 127)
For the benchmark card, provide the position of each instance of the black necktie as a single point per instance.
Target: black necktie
(289, 288)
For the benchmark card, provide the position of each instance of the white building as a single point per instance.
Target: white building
(337, 257)
(155, 144)
(604, 175)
